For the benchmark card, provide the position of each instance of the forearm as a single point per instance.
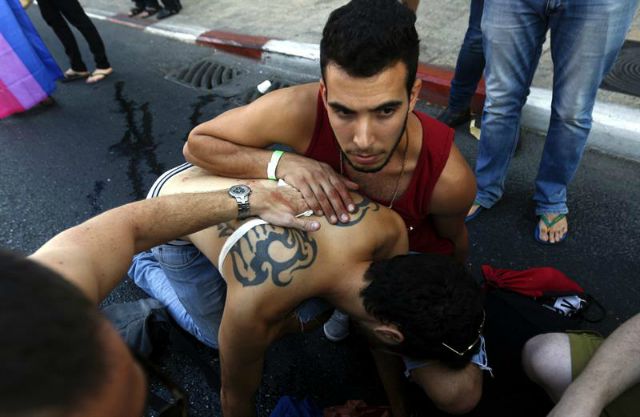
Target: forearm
(461, 245)
(612, 370)
(236, 407)
(390, 370)
(225, 158)
(96, 254)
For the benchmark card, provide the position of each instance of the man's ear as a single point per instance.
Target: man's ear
(389, 334)
(323, 92)
(415, 93)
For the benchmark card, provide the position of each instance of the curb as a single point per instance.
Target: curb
(615, 128)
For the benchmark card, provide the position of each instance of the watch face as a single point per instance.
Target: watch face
(239, 191)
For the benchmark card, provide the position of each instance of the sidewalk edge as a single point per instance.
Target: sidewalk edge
(614, 130)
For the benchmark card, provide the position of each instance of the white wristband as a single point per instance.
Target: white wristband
(273, 164)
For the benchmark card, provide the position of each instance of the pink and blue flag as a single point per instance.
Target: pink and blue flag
(28, 72)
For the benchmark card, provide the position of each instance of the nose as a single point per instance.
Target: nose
(363, 137)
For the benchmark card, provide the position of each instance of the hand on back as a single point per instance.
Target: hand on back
(324, 190)
(281, 206)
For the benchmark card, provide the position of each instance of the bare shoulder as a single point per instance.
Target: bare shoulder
(289, 112)
(456, 188)
(375, 225)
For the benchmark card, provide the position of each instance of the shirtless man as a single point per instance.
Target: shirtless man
(67, 340)
(60, 357)
(269, 271)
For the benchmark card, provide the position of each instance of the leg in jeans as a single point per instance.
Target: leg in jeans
(586, 36)
(513, 34)
(184, 280)
(54, 19)
(74, 13)
(470, 64)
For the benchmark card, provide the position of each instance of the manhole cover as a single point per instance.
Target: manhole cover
(253, 92)
(624, 77)
(205, 74)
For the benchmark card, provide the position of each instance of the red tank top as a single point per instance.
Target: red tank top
(413, 204)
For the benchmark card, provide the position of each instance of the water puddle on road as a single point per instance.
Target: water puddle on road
(137, 142)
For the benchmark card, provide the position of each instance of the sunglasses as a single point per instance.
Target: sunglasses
(177, 407)
(462, 353)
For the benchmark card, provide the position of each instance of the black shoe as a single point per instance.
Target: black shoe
(454, 119)
(164, 13)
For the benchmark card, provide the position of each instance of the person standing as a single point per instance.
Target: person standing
(56, 13)
(28, 72)
(469, 68)
(586, 36)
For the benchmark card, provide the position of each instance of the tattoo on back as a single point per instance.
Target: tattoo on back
(272, 252)
(225, 229)
(362, 208)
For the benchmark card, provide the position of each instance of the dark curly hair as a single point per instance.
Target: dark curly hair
(432, 299)
(364, 37)
(51, 349)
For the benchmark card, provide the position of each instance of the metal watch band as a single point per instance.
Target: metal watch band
(243, 210)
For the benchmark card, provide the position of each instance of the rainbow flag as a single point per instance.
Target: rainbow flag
(28, 72)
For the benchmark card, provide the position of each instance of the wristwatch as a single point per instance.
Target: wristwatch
(241, 194)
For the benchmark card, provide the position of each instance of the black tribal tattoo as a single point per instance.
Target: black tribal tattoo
(253, 262)
(225, 229)
(361, 209)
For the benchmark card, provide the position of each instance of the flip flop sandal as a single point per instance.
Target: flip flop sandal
(99, 75)
(476, 213)
(549, 224)
(71, 75)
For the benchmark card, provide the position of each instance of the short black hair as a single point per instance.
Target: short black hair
(52, 355)
(365, 37)
(432, 299)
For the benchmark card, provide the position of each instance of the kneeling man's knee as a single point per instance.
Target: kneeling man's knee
(546, 360)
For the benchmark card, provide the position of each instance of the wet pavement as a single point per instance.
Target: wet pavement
(104, 145)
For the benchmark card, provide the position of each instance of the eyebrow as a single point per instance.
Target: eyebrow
(388, 104)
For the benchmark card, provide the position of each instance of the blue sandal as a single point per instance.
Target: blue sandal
(549, 224)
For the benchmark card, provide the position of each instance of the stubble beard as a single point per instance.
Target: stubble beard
(386, 161)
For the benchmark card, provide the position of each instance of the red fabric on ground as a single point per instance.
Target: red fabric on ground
(533, 282)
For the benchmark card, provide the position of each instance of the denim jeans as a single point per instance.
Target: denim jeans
(188, 284)
(470, 64)
(586, 36)
(194, 291)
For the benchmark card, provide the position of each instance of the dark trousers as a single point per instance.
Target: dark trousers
(54, 12)
(470, 64)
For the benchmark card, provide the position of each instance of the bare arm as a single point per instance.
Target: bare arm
(390, 369)
(613, 369)
(243, 338)
(450, 202)
(78, 254)
(232, 145)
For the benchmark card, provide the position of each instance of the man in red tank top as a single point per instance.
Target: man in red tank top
(357, 130)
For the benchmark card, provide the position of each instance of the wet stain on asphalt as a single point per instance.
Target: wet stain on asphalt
(94, 197)
(196, 111)
(137, 143)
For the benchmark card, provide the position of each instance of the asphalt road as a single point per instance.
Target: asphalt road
(103, 145)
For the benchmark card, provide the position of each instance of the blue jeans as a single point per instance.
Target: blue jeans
(192, 289)
(586, 36)
(470, 62)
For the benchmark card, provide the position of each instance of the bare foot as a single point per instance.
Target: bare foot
(553, 228)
